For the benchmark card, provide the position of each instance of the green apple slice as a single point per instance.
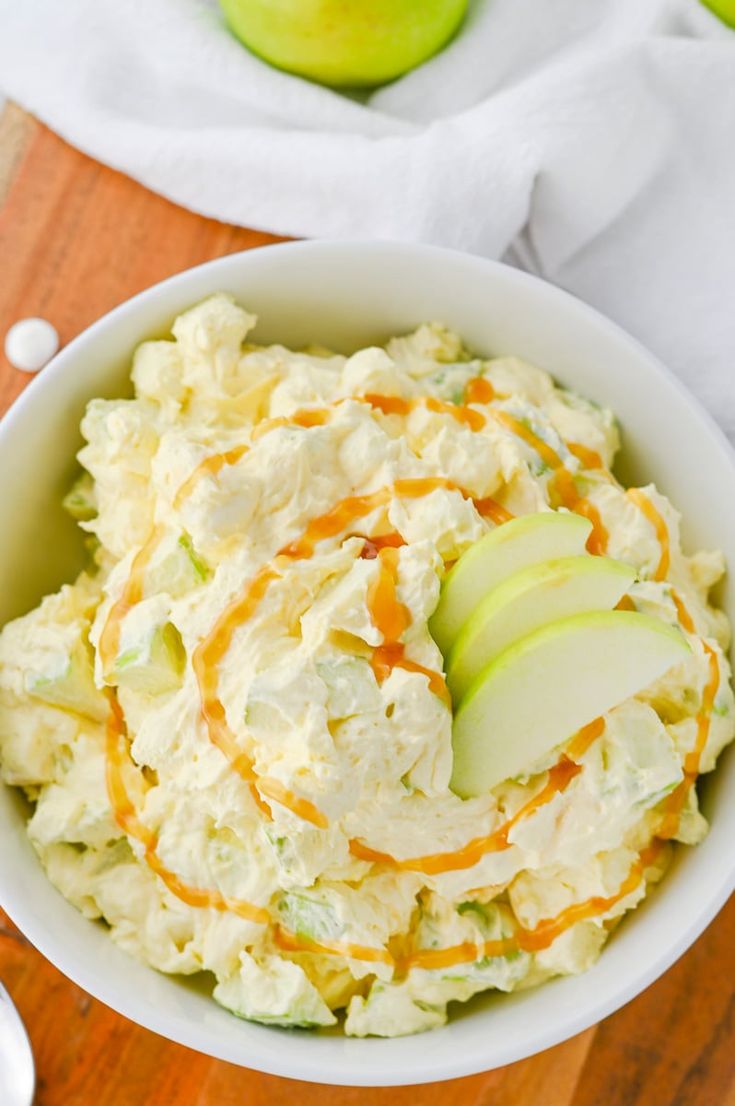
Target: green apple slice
(541, 690)
(529, 600)
(528, 540)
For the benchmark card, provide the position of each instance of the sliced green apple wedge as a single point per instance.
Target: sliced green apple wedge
(541, 690)
(528, 600)
(528, 540)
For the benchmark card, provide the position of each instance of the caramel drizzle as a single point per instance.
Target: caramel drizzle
(530, 940)
(133, 589)
(585, 737)
(548, 455)
(523, 940)
(308, 417)
(646, 507)
(490, 508)
(559, 778)
(371, 547)
(205, 661)
(126, 816)
(563, 484)
(391, 619)
(566, 489)
(543, 935)
(479, 390)
(210, 466)
(674, 803)
(348, 510)
(210, 652)
(386, 657)
(292, 942)
(397, 405)
(297, 804)
(389, 616)
(686, 620)
(590, 458)
(109, 643)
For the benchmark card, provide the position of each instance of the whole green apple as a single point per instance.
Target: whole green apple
(345, 43)
(724, 8)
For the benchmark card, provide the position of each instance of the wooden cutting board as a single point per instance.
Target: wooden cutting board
(75, 240)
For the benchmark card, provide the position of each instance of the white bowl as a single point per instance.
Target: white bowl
(346, 295)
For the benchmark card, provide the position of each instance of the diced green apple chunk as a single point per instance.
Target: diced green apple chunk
(351, 687)
(528, 600)
(538, 692)
(153, 664)
(528, 540)
(66, 679)
(80, 501)
(306, 916)
(179, 570)
(275, 991)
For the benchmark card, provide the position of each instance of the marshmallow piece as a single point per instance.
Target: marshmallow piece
(30, 344)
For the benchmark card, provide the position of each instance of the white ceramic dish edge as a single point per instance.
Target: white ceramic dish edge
(365, 289)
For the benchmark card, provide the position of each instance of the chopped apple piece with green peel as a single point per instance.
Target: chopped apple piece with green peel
(199, 566)
(80, 501)
(537, 693)
(306, 916)
(67, 680)
(275, 991)
(528, 540)
(527, 601)
(154, 664)
(178, 570)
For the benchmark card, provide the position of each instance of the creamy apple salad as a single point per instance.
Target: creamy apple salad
(236, 728)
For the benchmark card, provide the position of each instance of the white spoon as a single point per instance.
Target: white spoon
(17, 1071)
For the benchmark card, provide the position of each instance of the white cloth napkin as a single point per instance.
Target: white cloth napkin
(591, 141)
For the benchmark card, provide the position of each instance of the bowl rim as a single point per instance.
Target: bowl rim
(184, 1031)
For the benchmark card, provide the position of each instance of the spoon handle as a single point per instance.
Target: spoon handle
(17, 1070)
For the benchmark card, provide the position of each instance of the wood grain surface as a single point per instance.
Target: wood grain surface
(76, 239)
